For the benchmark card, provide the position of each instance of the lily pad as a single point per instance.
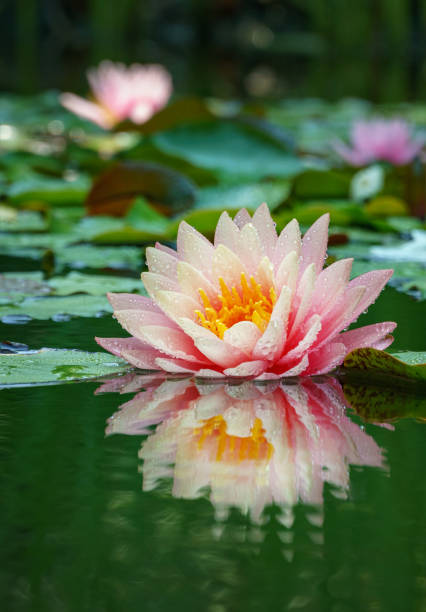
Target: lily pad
(94, 284)
(87, 256)
(22, 221)
(56, 366)
(58, 308)
(14, 287)
(231, 150)
(51, 190)
(246, 195)
(393, 370)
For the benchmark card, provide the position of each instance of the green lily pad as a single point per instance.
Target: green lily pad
(231, 150)
(246, 195)
(56, 366)
(397, 369)
(58, 308)
(47, 189)
(94, 284)
(23, 221)
(87, 256)
(14, 287)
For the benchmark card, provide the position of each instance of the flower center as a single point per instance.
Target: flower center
(248, 303)
(254, 447)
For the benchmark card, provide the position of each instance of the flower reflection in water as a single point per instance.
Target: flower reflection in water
(250, 445)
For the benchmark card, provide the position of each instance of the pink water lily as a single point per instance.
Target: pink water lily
(120, 92)
(253, 304)
(249, 445)
(380, 140)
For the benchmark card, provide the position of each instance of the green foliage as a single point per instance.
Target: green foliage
(56, 366)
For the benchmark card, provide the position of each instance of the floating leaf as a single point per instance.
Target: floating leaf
(47, 189)
(232, 151)
(114, 191)
(184, 110)
(60, 308)
(87, 256)
(391, 369)
(55, 366)
(94, 284)
(316, 184)
(246, 195)
(14, 287)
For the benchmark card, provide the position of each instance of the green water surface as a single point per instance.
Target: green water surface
(78, 533)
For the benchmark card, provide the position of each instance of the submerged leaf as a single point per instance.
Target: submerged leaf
(55, 366)
(114, 191)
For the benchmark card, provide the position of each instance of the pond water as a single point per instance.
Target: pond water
(216, 499)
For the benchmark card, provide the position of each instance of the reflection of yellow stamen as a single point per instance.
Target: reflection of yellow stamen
(254, 447)
(244, 303)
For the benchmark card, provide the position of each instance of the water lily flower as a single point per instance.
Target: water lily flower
(250, 445)
(253, 304)
(387, 140)
(119, 92)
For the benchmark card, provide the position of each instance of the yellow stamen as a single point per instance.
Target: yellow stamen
(244, 303)
(254, 447)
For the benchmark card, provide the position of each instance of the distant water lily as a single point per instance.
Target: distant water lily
(249, 445)
(380, 140)
(119, 92)
(253, 304)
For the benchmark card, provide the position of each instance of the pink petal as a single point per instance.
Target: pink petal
(330, 284)
(86, 109)
(133, 321)
(303, 299)
(374, 282)
(194, 248)
(288, 272)
(337, 318)
(326, 358)
(289, 240)
(128, 301)
(313, 328)
(227, 232)
(176, 366)
(157, 282)
(265, 227)
(242, 218)
(227, 265)
(191, 280)
(177, 305)
(248, 368)
(132, 350)
(161, 262)
(243, 336)
(166, 249)
(368, 336)
(218, 351)
(173, 342)
(271, 344)
(295, 368)
(314, 244)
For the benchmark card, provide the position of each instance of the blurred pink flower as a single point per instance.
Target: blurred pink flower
(135, 92)
(380, 140)
(250, 445)
(251, 304)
